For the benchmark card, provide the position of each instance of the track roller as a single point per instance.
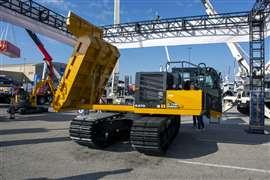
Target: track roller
(99, 130)
(152, 135)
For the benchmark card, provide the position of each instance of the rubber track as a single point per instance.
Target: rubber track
(152, 135)
(99, 133)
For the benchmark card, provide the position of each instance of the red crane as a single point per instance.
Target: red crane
(45, 53)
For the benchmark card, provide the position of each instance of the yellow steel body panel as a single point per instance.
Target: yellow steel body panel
(166, 111)
(80, 27)
(88, 69)
(185, 99)
(179, 102)
(215, 114)
(33, 97)
(109, 107)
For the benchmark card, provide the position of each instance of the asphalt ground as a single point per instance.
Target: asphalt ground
(38, 147)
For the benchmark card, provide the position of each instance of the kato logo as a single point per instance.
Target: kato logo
(173, 105)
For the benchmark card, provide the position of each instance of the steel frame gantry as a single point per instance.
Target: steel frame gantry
(235, 24)
(37, 12)
(223, 24)
(257, 66)
(229, 24)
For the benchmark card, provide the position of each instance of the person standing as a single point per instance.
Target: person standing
(197, 119)
(12, 107)
(12, 110)
(194, 122)
(200, 122)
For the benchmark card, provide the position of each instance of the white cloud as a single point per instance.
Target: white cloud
(104, 7)
(104, 15)
(101, 10)
(60, 4)
(151, 14)
(187, 3)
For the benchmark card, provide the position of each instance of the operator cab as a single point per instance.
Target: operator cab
(204, 78)
(152, 86)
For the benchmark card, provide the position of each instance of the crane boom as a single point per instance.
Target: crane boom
(91, 63)
(41, 47)
(233, 46)
(47, 57)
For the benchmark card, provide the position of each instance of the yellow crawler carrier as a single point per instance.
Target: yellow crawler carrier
(160, 99)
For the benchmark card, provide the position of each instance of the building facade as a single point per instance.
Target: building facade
(33, 72)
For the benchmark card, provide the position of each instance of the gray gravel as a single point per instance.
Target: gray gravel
(38, 147)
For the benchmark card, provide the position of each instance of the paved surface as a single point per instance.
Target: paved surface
(38, 147)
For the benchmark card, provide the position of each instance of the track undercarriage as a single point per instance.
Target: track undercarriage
(99, 130)
(150, 135)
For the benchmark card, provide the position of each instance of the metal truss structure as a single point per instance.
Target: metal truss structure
(230, 27)
(37, 18)
(257, 66)
(251, 27)
(233, 24)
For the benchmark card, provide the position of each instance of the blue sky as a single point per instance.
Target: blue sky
(100, 12)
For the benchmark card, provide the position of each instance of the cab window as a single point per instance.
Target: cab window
(209, 81)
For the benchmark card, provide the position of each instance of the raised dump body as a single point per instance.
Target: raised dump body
(88, 69)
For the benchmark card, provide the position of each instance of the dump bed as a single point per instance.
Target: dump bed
(88, 69)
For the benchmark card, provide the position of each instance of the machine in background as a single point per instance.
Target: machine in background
(6, 88)
(42, 94)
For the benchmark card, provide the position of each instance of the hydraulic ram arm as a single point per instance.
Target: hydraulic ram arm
(88, 69)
